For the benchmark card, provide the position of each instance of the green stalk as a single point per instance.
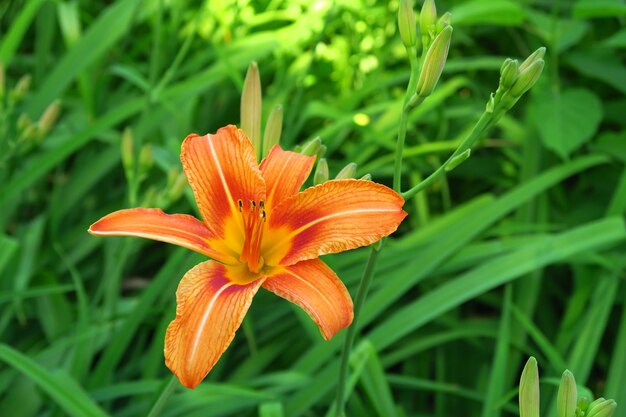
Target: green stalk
(163, 396)
(375, 249)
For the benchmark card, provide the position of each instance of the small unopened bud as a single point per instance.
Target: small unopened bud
(321, 172)
(23, 122)
(508, 73)
(349, 171)
(251, 102)
(529, 390)
(128, 156)
(21, 88)
(443, 21)
(321, 151)
(273, 129)
(366, 177)
(177, 185)
(311, 147)
(434, 62)
(527, 78)
(146, 160)
(49, 117)
(458, 160)
(532, 58)
(406, 23)
(428, 18)
(601, 408)
(582, 406)
(567, 396)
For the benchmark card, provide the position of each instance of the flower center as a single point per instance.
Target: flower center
(254, 218)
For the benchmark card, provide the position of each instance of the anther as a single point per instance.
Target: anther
(240, 204)
(253, 204)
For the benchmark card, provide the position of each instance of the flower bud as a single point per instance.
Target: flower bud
(251, 107)
(567, 396)
(406, 23)
(529, 390)
(349, 171)
(177, 183)
(458, 160)
(428, 18)
(366, 177)
(273, 129)
(444, 20)
(311, 147)
(49, 117)
(21, 88)
(146, 160)
(321, 151)
(532, 58)
(508, 73)
(321, 172)
(527, 78)
(434, 62)
(128, 156)
(601, 408)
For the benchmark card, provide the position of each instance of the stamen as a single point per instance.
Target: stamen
(240, 205)
(253, 234)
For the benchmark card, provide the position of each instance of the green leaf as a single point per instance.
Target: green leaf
(567, 121)
(618, 40)
(601, 65)
(61, 388)
(488, 12)
(585, 9)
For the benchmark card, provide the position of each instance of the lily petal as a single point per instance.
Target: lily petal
(178, 229)
(331, 217)
(210, 308)
(222, 170)
(284, 173)
(316, 288)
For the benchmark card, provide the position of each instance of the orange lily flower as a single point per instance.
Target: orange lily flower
(260, 231)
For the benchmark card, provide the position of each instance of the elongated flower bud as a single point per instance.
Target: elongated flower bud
(349, 171)
(21, 88)
(366, 177)
(508, 73)
(532, 58)
(311, 147)
(321, 172)
(601, 408)
(406, 23)
(251, 102)
(529, 390)
(434, 62)
(527, 78)
(443, 21)
(128, 156)
(49, 117)
(273, 129)
(567, 397)
(428, 18)
(146, 160)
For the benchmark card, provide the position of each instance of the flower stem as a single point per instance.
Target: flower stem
(364, 285)
(166, 392)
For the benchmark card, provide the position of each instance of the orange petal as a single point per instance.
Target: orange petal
(178, 229)
(316, 288)
(210, 308)
(331, 217)
(221, 170)
(284, 173)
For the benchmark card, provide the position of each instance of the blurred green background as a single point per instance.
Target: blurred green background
(519, 252)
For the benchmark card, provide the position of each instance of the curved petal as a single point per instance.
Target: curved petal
(316, 288)
(222, 170)
(210, 308)
(178, 229)
(331, 217)
(284, 173)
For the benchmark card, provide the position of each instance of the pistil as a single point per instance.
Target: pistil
(253, 218)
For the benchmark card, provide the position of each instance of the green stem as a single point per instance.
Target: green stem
(375, 250)
(364, 285)
(165, 394)
(481, 126)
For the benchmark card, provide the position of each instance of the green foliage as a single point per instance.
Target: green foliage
(518, 251)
